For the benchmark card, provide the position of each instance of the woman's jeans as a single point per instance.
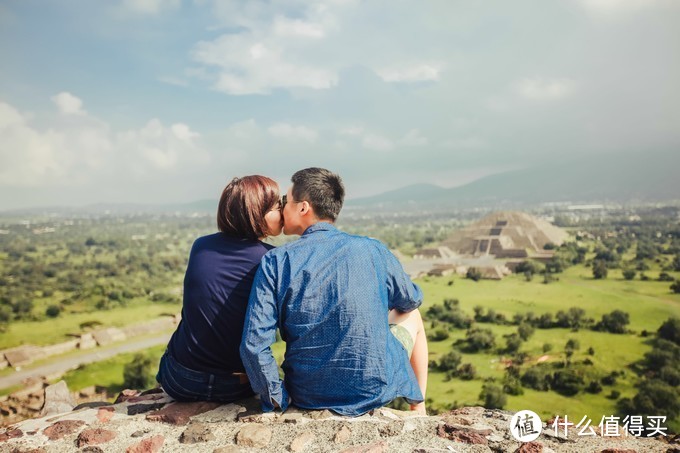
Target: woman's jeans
(184, 384)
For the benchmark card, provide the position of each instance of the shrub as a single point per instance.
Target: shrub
(599, 270)
(629, 274)
(493, 396)
(438, 335)
(466, 372)
(675, 287)
(614, 395)
(473, 274)
(665, 277)
(479, 339)
(670, 330)
(594, 387)
(53, 311)
(614, 322)
(567, 382)
(449, 361)
(138, 374)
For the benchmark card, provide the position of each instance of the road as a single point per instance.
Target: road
(69, 363)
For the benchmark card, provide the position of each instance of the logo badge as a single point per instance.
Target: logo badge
(526, 426)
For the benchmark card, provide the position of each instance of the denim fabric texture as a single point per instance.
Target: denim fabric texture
(329, 293)
(184, 384)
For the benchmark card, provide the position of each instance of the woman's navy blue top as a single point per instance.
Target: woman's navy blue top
(217, 284)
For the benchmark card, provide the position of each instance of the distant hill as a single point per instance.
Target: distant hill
(620, 178)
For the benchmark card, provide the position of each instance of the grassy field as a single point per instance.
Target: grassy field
(51, 331)
(649, 303)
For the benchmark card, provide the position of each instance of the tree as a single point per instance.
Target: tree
(466, 372)
(629, 274)
(675, 287)
(513, 343)
(670, 330)
(53, 311)
(138, 374)
(493, 396)
(599, 269)
(449, 361)
(614, 322)
(525, 330)
(473, 274)
(567, 382)
(479, 339)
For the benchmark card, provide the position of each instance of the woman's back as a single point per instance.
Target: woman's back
(216, 288)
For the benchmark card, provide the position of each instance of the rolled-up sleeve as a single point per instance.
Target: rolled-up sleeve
(259, 333)
(403, 294)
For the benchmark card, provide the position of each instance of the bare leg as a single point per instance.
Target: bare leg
(413, 322)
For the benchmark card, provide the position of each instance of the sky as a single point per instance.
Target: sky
(165, 101)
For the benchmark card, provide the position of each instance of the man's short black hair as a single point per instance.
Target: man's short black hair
(322, 189)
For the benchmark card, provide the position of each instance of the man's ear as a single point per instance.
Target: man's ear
(305, 208)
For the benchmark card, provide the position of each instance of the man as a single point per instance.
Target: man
(329, 293)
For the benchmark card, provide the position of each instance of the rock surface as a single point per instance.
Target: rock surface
(163, 425)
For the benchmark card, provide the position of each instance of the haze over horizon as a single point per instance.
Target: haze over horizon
(164, 101)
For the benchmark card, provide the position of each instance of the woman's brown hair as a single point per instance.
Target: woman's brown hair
(244, 203)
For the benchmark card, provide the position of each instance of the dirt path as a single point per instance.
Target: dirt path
(69, 363)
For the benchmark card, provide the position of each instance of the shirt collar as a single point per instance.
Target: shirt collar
(319, 226)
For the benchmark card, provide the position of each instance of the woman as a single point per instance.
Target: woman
(202, 362)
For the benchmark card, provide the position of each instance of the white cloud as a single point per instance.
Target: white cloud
(249, 65)
(84, 150)
(545, 89)
(295, 27)
(413, 139)
(289, 132)
(617, 7)
(377, 143)
(150, 6)
(68, 103)
(410, 73)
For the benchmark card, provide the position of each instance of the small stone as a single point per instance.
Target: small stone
(150, 445)
(11, 434)
(460, 435)
(343, 435)
(126, 395)
(179, 413)
(616, 450)
(301, 442)
(62, 428)
(91, 405)
(138, 433)
(393, 428)
(530, 447)
(92, 449)
(134, 409)
(294, 417)
(94, 437)
(195, 433)
(105, 414)
(377, 447)
(57, 400)
(320, 415)
(475, 411)
(495, 438)
(256, 436)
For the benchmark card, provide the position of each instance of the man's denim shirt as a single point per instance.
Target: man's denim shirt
(329, 293)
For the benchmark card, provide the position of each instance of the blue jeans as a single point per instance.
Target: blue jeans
(184, 384)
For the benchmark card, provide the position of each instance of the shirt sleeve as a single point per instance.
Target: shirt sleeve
(403, 294)
(259, 333)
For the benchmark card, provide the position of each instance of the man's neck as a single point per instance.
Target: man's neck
(306, 225)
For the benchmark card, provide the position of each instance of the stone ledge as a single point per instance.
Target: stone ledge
(152, 422)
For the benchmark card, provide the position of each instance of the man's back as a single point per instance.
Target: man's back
(331, 292)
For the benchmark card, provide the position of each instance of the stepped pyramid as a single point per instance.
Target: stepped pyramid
(506, 234)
